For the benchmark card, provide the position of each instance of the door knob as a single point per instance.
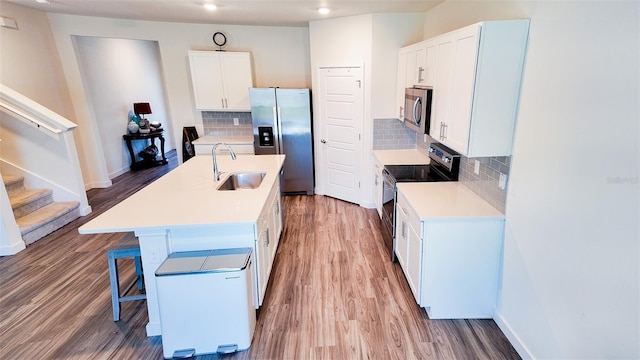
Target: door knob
(323, 141)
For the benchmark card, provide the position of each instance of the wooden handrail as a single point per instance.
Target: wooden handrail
(32, 113)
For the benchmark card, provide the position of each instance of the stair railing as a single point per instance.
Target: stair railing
(23, 152)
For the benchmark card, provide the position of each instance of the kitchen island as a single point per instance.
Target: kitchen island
(184, 211)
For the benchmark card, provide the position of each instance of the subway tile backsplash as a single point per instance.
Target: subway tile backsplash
(392, 134)
(220, 123)
(485, 184)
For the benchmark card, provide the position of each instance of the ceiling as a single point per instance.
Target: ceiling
(240, 12)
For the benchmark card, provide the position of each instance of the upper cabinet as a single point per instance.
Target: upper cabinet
(221, 80)
(475, 73)
(416, 67)
(477, 87)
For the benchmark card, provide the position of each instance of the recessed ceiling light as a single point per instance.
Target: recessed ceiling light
(210, 6)
(43, 1)
(324, 10)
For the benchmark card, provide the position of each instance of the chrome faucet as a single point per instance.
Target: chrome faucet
(216, 173)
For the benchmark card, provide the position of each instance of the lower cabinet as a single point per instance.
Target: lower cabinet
(377, 185)
(452, 265)
(409, 244)
(268, 231)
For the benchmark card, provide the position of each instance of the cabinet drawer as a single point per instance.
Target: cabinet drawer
(412, 217)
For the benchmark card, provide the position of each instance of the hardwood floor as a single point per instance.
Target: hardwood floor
(333, 294)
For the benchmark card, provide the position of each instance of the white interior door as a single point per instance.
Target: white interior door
(341, 122)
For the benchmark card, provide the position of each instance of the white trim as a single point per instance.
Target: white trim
(513, 338)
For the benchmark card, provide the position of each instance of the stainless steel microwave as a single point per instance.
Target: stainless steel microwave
(417, 108)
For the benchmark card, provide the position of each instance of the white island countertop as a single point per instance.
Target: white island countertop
(401, 157)
(442, 200)
(187, 197)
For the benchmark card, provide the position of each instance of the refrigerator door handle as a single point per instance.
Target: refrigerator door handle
(279, 122)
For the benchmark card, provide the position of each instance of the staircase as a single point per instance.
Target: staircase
(35, 211)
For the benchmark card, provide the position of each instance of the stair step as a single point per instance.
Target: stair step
(13, 183)
(28, 200)
(47, 219)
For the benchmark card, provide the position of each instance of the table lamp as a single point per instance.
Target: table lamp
(142, 109)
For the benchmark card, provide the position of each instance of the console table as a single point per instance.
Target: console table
(135, 165)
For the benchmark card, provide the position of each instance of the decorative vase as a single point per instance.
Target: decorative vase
(133, 127)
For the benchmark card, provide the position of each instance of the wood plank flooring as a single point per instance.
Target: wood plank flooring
(333, 294)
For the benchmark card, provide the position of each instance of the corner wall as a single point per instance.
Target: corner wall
(571, 277)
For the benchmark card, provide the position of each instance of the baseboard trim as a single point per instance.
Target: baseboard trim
(12, 249)
(513, 338)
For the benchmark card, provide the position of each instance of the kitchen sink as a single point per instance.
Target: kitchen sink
(242, 181)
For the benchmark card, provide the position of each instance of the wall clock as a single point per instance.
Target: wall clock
(219, 39)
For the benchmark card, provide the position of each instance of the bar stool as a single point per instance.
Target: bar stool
(128, 248)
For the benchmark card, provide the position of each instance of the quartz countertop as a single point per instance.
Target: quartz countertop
(401, 157)
(442, 200)
(187, 197)
(210, 140)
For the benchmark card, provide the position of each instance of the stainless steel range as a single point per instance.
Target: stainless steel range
(444, 166)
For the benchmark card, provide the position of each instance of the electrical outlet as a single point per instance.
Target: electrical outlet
(476, 167)
(502, 183)
(236, 121)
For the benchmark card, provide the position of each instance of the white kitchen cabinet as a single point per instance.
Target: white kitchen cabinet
(402, 70)
(268, 230)
(425, 72)
(477, 86)
(221, 80)
(416, 67)
(461, 267)
(377, 185)
(449, 246)
(409, 244)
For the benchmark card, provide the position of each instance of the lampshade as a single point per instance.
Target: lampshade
(141, 108)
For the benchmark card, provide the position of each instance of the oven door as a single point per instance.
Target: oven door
(388, 212)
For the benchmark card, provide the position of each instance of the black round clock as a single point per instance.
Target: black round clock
(219, 39)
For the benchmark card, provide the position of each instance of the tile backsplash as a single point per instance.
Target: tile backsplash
(220, 123)
(392, 134)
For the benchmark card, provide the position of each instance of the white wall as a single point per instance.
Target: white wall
(116, 74)
(281, 58)
(30, 65)
(571, 262)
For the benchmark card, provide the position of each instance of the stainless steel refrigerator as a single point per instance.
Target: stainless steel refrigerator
(282, 125)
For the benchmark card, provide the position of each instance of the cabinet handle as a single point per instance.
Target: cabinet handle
(400, 115)
(222, 102)
(445, 131)
(267, 233)
(277, 208)
(404, 230)
(376, 182)
(420, 71)
(226, 103)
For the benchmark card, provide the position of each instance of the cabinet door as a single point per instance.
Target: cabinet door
(377, 188)
(206, 80)
(275, 227)
(414, 261)
(237, 78)
(263, 255)
(464, 71)
(401, 238)
(425, 64)
(445, 49)
(402, 71)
